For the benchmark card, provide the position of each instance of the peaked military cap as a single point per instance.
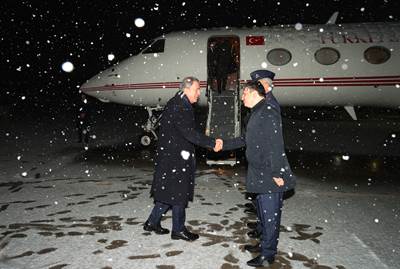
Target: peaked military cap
(260, 74)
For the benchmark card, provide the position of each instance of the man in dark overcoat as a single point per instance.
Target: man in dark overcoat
(269, 174)
(173, 182)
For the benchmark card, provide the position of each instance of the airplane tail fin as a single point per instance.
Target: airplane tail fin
(332, 19)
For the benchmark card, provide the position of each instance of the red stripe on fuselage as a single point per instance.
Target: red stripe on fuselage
(285, 82)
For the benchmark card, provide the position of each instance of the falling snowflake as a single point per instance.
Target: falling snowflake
(110, 57)
(185, 154)
(67, 67)
(298, 26)
(139, 22)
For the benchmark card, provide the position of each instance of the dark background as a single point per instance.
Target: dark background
(38, 36)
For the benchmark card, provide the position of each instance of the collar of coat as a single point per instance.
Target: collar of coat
(258, 106)
(268, 95)
(184, 98)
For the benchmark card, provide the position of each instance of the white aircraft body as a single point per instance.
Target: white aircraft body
(316, 65)
(150, 79)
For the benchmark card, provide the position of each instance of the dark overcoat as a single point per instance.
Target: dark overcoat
(265, 151)
(175, 165)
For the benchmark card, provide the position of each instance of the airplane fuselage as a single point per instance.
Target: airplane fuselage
(317, 65)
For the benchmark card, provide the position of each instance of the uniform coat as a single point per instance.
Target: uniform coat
(175, 165)
(264, 149)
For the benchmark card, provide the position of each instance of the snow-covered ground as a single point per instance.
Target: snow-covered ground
(64, 207)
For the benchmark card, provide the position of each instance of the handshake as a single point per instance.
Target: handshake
(219, 143)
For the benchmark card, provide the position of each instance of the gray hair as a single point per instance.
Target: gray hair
(187, 82)
(269, 81)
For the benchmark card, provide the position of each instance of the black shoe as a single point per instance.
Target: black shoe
(254, 234)
(253, 249)
(250, 211)
(156, 228)
(259, 261)
(252, 225)
(249, 205)
(184, 235)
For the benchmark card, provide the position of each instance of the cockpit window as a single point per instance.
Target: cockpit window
(156, 47)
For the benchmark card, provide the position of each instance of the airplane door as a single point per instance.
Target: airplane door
(223, 65)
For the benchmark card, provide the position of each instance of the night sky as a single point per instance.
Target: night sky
(37, 37)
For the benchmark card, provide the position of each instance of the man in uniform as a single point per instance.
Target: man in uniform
(269, 174)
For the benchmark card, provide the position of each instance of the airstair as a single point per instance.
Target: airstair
(223, 121)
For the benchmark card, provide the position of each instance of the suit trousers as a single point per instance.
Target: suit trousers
(178, 215)
(269, 207)
(258, 227)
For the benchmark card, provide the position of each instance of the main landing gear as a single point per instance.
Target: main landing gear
(153, 120)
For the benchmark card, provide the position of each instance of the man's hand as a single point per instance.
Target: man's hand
(219, 143)
(279, 181)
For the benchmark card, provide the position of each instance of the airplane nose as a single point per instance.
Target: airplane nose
(84, 87)
(93, 87)
(87, 87)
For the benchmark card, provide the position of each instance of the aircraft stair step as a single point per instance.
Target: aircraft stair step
(222, 120)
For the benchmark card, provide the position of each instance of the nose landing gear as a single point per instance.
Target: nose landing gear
(153, 121)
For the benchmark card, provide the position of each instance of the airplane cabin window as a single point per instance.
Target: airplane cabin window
(279, 56)
(156, 47)
(377, 55)
(327, 56)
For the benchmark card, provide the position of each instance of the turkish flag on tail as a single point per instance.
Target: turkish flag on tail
(255, 40)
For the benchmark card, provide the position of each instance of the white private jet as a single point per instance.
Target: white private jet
(316, 65)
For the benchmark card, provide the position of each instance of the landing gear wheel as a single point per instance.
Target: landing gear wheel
(151, 125)
(145, 140)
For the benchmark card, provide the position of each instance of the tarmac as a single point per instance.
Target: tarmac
(63, 206)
